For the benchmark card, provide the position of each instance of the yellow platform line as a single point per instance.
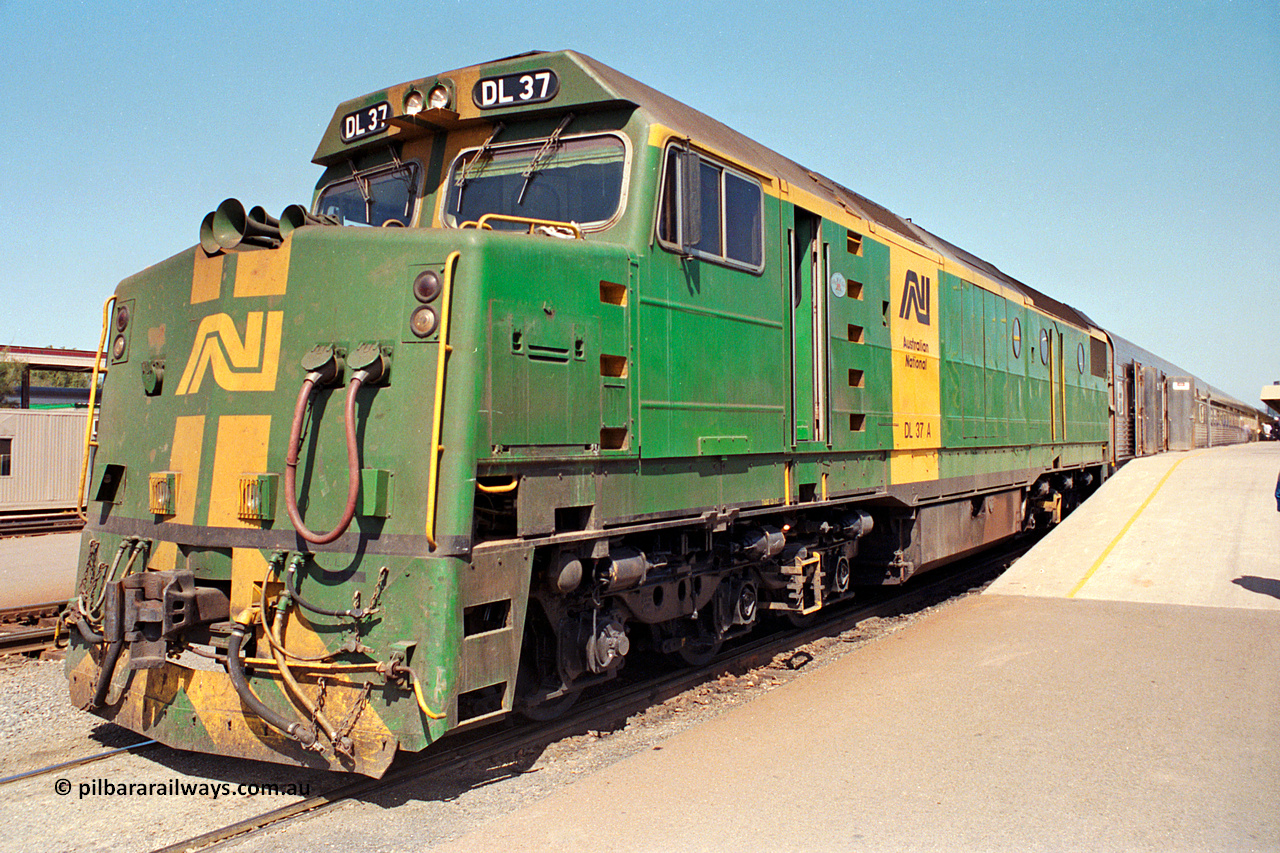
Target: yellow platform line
(1103, 556)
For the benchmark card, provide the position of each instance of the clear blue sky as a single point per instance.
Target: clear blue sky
(1124, 158)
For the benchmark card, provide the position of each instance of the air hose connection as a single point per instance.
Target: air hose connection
(273, 633)
(106, 609)
(291, 586)
(324, 367)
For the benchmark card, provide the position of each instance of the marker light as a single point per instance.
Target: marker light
(426, 286)
(257, 497)
(162, 494)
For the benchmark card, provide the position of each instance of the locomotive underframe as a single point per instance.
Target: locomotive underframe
(694, 582)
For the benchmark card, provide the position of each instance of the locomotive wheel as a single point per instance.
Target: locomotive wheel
(699, 651)
(541, 694)
(800, 620)
(703, 646)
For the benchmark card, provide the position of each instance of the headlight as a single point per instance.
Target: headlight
(424, 321)
(438, 98)
(413, 102)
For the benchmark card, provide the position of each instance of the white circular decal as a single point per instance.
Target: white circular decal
(838, 285)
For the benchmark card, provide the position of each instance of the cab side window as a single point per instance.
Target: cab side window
(712, 212)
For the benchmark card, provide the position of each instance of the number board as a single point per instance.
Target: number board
(525, 87)
(365, 121)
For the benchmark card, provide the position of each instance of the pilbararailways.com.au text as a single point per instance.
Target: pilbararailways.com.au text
(181, 788)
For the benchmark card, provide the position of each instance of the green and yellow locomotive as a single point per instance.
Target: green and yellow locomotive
(552, 367)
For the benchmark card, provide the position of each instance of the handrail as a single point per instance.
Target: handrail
(484, 221)
(82, 506)
(450, 265)
(498, 490)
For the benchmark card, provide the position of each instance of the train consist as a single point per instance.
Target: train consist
(597, 373)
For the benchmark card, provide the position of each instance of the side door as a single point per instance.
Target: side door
(808, 315)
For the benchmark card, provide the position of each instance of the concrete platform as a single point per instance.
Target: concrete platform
(38, 569)
(1138, 709)
(1198, 528)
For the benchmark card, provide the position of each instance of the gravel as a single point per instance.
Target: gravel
(38, 724)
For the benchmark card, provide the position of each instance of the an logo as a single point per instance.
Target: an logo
(239, 364)
(915, 297)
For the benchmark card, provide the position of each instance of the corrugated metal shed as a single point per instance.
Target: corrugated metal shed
(45, 450)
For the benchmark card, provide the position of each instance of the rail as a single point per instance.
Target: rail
(29, 628)
(29, 524)
(25, 641)
(75, 762)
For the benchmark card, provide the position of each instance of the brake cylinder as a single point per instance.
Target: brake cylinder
(623, 569)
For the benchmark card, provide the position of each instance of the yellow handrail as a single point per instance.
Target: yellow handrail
(422, 701)
(82, 506)
(498, 490)
(450, 265)
(529, 220)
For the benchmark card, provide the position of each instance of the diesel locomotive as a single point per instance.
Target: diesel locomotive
(553, 367)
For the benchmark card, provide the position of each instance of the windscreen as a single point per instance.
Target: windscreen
(577, 180)
(374, 198)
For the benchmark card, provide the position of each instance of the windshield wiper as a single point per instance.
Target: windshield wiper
(552, 143)
(465, 174)
(362, 184)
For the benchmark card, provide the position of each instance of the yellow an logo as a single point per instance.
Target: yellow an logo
(239, 364)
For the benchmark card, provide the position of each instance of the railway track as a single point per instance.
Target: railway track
(610, 706)
(27, 640)
(30, 629)
(75, 762)
(29, 525)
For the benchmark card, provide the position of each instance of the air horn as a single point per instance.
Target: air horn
(230, 226)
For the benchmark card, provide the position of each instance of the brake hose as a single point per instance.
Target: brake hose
(353, 459)
(295, 729)
(291, 584)
(341, 743)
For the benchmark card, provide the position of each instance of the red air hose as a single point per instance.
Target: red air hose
(353, 461)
